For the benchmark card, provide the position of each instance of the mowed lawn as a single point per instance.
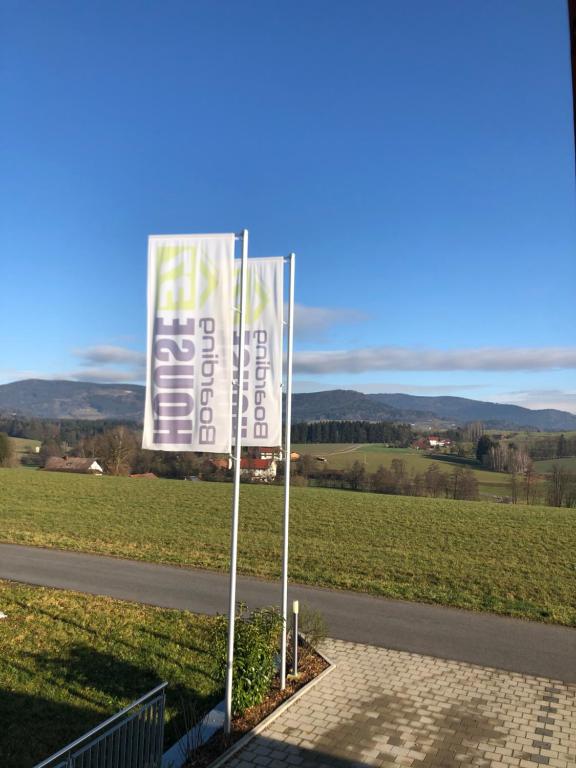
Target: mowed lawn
(509, 559)
(373, 455)
(69, 661)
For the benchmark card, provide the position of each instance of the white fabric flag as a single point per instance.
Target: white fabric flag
(190, 326)
(262, 374)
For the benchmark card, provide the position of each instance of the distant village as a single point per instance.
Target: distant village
(260, 465)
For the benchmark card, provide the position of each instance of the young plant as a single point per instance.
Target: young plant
(312, 627)
(256, 637)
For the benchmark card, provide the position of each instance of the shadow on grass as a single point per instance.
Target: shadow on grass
(87, 686)
(55, 616)
(163, 636)
(34, 727)
(457, 461)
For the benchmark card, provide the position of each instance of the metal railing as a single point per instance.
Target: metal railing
(132, 738)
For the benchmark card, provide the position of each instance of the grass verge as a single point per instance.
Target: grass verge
(69, 661)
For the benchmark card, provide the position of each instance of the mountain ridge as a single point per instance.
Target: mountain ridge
(54, 399)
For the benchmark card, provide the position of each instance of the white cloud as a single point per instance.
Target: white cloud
(315, 322)
(413, 359)
(540, 398)
(387, 387)
(417, 389)
(309, 385)
(8, 375)
(104, 375)
(110, 355)
(106, 363)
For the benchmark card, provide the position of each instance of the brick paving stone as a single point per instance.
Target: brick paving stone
(387, 708)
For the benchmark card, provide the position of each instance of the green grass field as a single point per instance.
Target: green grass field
(521, 438)
(509, 559)
(22, 446)
(546, 465)
(70, 661)
(372, 455)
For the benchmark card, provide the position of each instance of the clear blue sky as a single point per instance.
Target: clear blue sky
(417, 156)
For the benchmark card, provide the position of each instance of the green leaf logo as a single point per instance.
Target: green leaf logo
(257, 296)
(177, 284)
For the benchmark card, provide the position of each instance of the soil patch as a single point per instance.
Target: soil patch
(310, 666)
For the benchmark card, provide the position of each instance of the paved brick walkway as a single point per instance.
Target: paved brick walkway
(390, 708)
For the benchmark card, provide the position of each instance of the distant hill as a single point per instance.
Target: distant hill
(439, 411)
(461, 410)
(341, 404)
(72, 400)
(83, 400)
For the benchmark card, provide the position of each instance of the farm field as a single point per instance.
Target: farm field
(546, 465)
(372, 455)
(22, 446)
(521, 438)
(509, 559)
(69, 661)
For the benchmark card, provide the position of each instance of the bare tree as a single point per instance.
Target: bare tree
(116, 449)
(382, 480)
(306, 465)
(474, 431)
(557, 487)
(463, 484)
(528, 482)
(6, 451)
(514, 487)
(436, 481)
(355, 475)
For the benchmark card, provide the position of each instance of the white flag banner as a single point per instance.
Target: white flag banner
(262, 374)
(190, 325)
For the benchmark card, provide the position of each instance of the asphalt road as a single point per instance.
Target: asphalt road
(448, 633)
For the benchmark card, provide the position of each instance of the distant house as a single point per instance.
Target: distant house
(73, 464)
(259, 470)
(259, 466)
(273, 454)
(431, 442)
(438, 442)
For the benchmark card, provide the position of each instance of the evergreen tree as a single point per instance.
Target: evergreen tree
(483, 447)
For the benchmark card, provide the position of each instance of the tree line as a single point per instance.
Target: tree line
(397, 479)
(395, 435)
(120, 453)
(502, 457)
(117, 447)
(552, 447)
(63, 432)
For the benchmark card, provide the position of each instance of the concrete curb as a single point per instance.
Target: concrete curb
(176, 755)
(263, 724)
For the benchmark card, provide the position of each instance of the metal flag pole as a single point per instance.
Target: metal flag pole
(287, 449)
(236, 492)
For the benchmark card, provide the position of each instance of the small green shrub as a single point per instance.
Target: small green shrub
(313, 626)
(256, 638)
